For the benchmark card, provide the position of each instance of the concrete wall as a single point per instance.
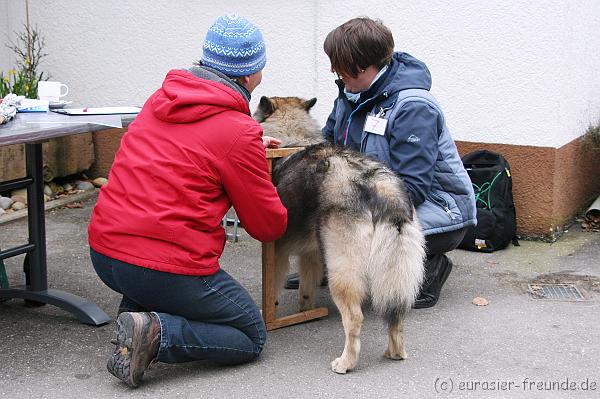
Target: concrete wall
(517, 72)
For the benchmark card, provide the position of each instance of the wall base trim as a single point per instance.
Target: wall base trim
(551, 186)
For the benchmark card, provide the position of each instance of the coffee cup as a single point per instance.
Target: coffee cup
(52, 91)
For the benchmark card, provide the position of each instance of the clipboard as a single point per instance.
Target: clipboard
(98, 111)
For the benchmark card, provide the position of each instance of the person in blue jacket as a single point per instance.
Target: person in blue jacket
(384, 109)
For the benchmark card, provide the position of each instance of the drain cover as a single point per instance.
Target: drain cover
(556, 292)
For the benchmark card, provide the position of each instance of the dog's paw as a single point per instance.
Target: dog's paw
(340, 366)
(395, 355)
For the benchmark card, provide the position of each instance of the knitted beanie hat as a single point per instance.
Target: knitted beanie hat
(234, 46)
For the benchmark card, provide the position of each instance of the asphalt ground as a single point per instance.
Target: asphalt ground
(516, 346)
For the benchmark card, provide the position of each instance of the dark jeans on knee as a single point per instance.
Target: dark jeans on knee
(201, 317)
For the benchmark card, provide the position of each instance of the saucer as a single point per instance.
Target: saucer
(58, 104)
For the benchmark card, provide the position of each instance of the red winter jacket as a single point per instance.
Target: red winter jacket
(191, 153)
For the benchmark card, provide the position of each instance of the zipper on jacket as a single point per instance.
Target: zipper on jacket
(345, 137)
(350, 119)
(442, 203)
(383, 111)
(449, 212)
(383, 94)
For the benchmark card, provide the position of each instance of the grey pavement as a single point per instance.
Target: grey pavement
(516, 346)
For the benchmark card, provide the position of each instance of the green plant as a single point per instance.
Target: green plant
(29, 50)
(19, 83)
(591, 137)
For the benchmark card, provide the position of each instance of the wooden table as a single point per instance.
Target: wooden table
(269, 309)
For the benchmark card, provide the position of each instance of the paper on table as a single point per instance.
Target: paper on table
(32, 105)
(98, 111)
(104, 120)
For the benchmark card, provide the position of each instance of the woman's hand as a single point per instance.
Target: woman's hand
(270, 142)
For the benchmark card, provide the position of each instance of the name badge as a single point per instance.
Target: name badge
(375, 125)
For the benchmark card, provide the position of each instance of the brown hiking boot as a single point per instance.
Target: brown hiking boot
(138, 340)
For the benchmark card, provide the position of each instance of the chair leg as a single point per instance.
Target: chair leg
(231, 221)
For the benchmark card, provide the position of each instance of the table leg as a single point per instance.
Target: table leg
(269, 299)
(268, 282)
(37, 288)
(35, 217)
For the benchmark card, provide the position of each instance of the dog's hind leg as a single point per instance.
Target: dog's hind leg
(311, 274)
(345, 245)
(395, 350)
(348, 299)
(395, 274)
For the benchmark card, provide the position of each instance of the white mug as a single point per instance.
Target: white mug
(51, 91)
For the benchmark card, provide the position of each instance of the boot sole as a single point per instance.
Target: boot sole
(122, 362)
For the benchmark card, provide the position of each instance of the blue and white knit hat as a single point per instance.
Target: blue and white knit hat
(234, 46)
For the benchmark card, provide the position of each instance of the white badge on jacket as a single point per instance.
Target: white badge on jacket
(375, 125)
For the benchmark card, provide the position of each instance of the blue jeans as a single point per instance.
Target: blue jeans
(201, 317)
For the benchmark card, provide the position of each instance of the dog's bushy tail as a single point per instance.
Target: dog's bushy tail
(395, 268)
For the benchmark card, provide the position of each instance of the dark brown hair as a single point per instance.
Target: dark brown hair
(358, 44)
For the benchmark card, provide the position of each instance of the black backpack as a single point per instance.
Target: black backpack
(496, 217)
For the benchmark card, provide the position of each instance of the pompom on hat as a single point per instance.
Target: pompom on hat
(234, 46)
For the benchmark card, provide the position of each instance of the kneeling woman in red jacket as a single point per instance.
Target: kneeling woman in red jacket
(155, 233)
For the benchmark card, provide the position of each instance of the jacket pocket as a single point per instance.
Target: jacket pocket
(446, 204)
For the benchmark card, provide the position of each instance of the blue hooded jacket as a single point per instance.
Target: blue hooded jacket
(416, 143)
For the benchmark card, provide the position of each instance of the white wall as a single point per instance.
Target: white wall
(517, 72)
(116, 52)
(4, 56)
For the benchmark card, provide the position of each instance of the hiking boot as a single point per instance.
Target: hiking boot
(138, 340)
(292, 282)
(430, 292)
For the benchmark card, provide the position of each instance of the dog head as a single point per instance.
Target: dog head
(288, 119)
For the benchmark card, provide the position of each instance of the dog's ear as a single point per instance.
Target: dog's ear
(266, 105)
(264, 110)
(308, 104)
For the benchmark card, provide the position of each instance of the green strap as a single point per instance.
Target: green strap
(485, 188)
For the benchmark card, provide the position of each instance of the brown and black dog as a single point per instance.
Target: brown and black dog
(350, 214)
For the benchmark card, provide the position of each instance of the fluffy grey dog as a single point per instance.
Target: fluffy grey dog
(352, 215)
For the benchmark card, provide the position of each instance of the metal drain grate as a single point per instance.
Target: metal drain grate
(556, 292)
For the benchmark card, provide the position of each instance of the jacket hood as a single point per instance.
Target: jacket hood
(407, 72)
(190, 96)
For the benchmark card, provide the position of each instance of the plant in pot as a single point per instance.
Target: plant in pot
(28, 47)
